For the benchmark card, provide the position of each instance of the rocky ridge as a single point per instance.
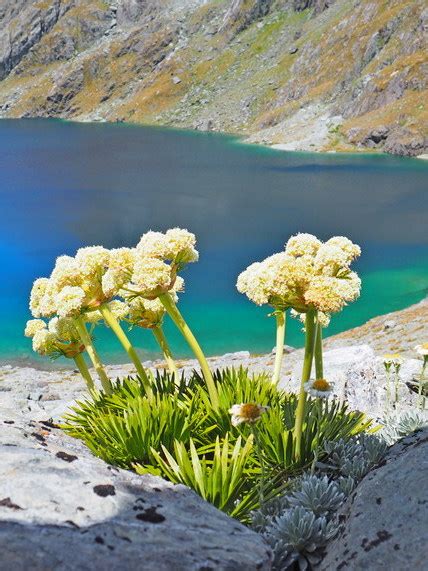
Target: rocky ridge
(334, 75)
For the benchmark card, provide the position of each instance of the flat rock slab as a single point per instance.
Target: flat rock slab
(386, 519)
(63, 509)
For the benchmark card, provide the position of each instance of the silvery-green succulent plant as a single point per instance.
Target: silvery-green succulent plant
(318, 494)
(356, 456)
(401, 424)
(346, 485)
(296, 535)
(262, 517)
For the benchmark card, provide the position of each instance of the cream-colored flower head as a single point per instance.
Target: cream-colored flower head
(308, 275)
(70, 301)
(98, 272)
(323, 294)
(158, 259)
(298, 272)
(350, 287)
(92, 261)
(302, 244)
(122, 259)
(153, 245)
(352, 250)
(330, 260)
(152, 277)
(254, 283)
(319, 388)
(176, 246)
(59, 337)
(38, 292)
(44, 342)
(66, 272)
(178, 285)
(181, 246)
(63, 328)
(246, 412)
(119, 272)
(147, 313)
(422, 349)
(34, 325)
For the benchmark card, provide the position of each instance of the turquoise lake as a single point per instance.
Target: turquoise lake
(64, 185)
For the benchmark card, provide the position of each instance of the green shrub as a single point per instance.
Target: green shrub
(176, 433)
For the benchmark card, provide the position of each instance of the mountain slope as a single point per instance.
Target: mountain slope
(305, 74)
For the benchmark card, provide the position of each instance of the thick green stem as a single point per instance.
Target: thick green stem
(280, 317)
(179, 321)
(306, 373)
(163, 344)
(93, 355)
(114, 325)
(319, 367)
(84, 371)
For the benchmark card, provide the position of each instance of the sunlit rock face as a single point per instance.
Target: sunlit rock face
(308, 74)
(384, 521)
(131, 11)
(62, 508)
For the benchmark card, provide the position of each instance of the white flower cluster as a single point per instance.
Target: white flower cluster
(57, 337)
(95, 276)
(146, 313)
(158, 259)
(81, 283)
(308, 275)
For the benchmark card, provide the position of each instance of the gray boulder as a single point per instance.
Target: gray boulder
(386, 519)
(63, 509)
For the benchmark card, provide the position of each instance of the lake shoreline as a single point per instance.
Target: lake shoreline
(312, 145)
(380, 333)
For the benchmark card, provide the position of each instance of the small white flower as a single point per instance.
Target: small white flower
(393, 359)
(320, 388)
(422, 349)
(246, 412)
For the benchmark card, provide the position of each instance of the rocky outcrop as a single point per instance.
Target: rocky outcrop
(384, 523)
(63, 509)
(23, 27)
(242, 13)
(395, 332)
(298, 74)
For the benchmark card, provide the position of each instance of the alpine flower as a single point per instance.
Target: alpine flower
(246, 412)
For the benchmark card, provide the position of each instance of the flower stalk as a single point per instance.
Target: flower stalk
(93, 355)
(280, 317)
(114, 324)
(184, 329)
(306, 373)
(163, 344)
(84, 371)
(318, 358)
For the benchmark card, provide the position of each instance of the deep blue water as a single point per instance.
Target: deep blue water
(64, 185)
